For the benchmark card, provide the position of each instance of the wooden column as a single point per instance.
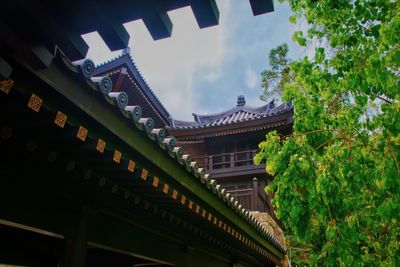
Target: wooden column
(75, 242)
(210, 163)
(189, 256)
(255, 193)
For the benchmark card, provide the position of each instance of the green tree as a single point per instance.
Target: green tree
(337, 176)
(274, 80)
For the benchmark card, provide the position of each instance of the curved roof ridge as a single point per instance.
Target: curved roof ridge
(234, 115)
(134, 69)
(182, 123)
(261, 110)
(146, 83)
(208, 117)
(257, 110)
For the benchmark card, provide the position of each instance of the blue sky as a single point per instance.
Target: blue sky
(204, 70)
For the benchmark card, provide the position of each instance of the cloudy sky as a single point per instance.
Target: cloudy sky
(203, 71)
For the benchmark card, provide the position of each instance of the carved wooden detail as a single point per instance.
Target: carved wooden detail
(174, 194)
(144, 174)
(35, 103)
(131, 165)
(117, 156)
(101, 145)
(165, 188)
(183, 200)
(82, 133)
(155, 181)
(60, 119)
(6, 85)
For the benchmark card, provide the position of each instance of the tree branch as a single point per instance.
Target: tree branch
(383, 99)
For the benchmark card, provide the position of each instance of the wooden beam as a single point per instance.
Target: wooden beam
(75, 244)
(158, 22)
(112, 31)
(259, 7)
(37, 56)
(206, 12)
(5, 69)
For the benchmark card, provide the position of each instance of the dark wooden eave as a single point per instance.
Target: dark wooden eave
(44, 24)
(86, 104)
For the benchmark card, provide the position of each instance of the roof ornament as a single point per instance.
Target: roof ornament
(241, 101)
(271, 105)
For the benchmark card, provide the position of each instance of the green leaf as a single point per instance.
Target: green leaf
(320, 54)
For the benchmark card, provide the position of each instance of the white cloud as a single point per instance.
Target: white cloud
(203, 70)
(251, 78)
(174, 63)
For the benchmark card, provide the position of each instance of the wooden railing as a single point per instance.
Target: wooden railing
(227, 160)
(252, 198)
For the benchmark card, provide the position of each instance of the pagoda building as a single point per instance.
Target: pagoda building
(225, 144)
(89, 174)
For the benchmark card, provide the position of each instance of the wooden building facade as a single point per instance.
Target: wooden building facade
(88, 178)
(226, 143)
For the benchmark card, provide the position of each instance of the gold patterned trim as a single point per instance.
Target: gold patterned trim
(101, 145)
(117, 156)
(131, 166)
(60, 119)
(155, 181)
(204, 213)
(174, 194)
(35, 103)
(165, 188)
(144, 174)
(82, 133)
(6, 85)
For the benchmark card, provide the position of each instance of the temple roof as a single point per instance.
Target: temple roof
(126, 65)
(102, 87)
(240, 113)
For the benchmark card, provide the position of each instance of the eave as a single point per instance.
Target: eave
(133, 140)
(274, 121)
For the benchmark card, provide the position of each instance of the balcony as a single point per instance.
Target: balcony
(253, 198)
(231, 164)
